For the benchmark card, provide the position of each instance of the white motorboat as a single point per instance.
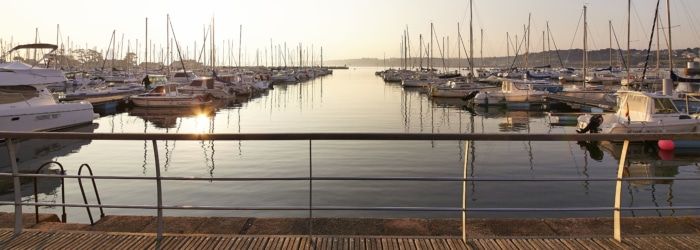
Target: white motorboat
(104, 89)
(166, 95)
(420, 80)
(26, 104)
(516, 91)
(640, 112)
(458, 89)
(208, 86)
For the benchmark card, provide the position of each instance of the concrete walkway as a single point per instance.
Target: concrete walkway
(477, 228)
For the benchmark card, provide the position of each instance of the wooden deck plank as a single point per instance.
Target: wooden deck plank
(522, 244)
(391, 243)
(692, 241)
(653, 243)
(94, 240)
(211, 243)
(260, 242)
(536, 244)
(576, 244)
(290, 244)
(226, 242)
(304, 243)
(420, 244)
(609, 243)
(360, 244)
(485, 244)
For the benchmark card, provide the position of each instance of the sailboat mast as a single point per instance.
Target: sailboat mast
(629, 11)
(527, 42)
(430, 57)
(146, 48)
(240, 38)
(471, 39)
(585, 44)
(670, 38)
(658, 46)
(507, 48)
(459, 50)
(167, 42)
(610, 35)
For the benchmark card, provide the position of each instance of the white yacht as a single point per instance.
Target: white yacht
(516, 91)
(26, 104)
(640, 112)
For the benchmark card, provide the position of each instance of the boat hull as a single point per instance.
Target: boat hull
(47, 117)
(157, 101)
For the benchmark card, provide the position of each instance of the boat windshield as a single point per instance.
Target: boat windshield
(664, 106)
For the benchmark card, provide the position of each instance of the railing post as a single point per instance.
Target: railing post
(16, 185)
(618, 193)
(464, 192)
(159, 190)
(311, 217)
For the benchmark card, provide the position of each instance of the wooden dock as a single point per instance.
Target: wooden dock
(106, 99)
(582, 100)
(37, 239)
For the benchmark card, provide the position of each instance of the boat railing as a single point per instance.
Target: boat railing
(616, 208)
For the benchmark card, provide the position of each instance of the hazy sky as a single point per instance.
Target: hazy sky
(345, 29)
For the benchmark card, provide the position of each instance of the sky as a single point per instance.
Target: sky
(343, 29)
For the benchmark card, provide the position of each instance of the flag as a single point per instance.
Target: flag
(627, 111)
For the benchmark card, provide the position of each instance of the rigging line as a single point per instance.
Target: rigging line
(439, 50)
(466, 54)
(639, 20)
(686, 7)
(575, 34)
(624, 63)
(651, 39)
(515, 57)
(184, 70)
(555, 46)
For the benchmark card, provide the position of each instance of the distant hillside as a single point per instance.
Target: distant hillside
(568, 58)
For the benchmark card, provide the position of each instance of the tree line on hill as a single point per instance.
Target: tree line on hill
(566, 58)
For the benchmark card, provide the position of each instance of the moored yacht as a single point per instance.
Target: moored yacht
(166, 95)
(26, 104)
(640, 112)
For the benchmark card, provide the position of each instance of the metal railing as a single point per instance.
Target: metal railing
(10, 137)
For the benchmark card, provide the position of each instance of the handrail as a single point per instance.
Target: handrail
(616, 208)
(351, 136)
(94, 187)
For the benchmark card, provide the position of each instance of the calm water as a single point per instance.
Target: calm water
(352, 100)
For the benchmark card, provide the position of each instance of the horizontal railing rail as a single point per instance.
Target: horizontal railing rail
(625, 138)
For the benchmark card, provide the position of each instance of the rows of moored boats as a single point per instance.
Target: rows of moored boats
(673, 110)
(30, 102)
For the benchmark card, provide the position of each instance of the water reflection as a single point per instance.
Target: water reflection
(645, 160)
(30, 155)
(168, 117)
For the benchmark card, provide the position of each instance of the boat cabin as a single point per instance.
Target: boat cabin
(639, 106)
(203, 82)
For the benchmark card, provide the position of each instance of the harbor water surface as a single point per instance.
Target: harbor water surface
(354, 100)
